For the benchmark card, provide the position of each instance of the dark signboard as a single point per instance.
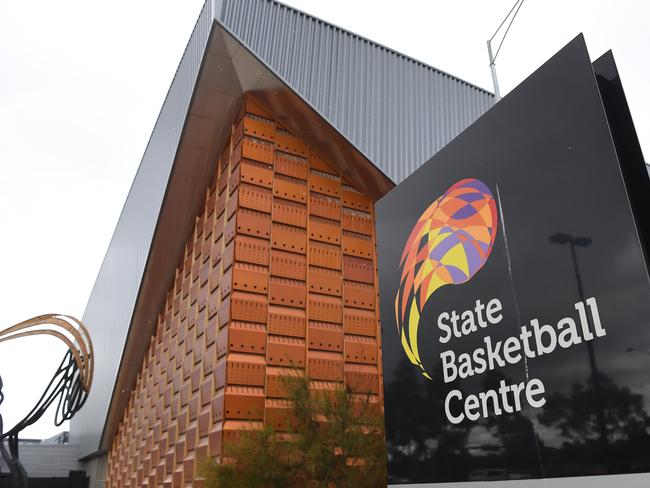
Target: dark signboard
(515, 295)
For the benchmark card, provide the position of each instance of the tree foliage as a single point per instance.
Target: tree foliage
(336, 440)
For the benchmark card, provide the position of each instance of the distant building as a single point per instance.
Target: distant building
(246, 245)
(48, 458)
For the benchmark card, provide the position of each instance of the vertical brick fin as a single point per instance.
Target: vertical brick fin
(326, 207)
(259, 128)
(325, 337)
(287, 212)
(359, 222)
(291, 165)
(361, 349)
(290, 189)
(326, 281)
(288, 265)
(246, 369)
(255, 198)
(362, 378)
(287, 321)
(325, 255)
(252, 250)
(358, 269)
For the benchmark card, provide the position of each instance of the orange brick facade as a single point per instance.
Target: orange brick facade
(279, 273)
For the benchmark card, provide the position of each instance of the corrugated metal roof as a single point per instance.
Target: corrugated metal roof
(396, 110)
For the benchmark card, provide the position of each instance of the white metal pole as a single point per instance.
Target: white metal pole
(493, 69)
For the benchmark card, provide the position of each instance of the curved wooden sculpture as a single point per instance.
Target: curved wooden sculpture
(69, 387)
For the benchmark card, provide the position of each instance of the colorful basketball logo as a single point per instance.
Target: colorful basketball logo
(448, 245)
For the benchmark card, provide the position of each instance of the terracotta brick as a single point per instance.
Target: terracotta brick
(276, 279)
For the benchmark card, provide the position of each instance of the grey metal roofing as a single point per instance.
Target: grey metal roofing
(394, 110)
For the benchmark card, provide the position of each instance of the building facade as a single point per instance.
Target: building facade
(246, 248)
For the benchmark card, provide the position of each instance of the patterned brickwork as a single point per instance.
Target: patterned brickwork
(278, 277)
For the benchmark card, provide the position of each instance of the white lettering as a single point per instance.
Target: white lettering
(453, 419)
(535, 387)
(481, 366)
(493, 355)
(569, 334)
(444, 327)
(468, 326)
(586, 333)
(471, 407)
(479, 313)
(595, 316)
(448, 363)
(539, 334)
(494, 306)
(510, 346)
(465, 366)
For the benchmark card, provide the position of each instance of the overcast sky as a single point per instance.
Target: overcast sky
(81, 85)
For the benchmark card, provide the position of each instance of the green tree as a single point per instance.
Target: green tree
(336, 440)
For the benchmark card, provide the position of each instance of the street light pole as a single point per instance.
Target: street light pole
(561, 238)
(592, 357)
(493, 69)
(493, 57)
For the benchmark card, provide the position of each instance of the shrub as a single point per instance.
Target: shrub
(336, 440)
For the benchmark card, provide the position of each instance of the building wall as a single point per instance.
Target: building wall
(96, 470)
(395, 110)
(46, 460)
(278, 276)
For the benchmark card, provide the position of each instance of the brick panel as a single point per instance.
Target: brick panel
(278, 278)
